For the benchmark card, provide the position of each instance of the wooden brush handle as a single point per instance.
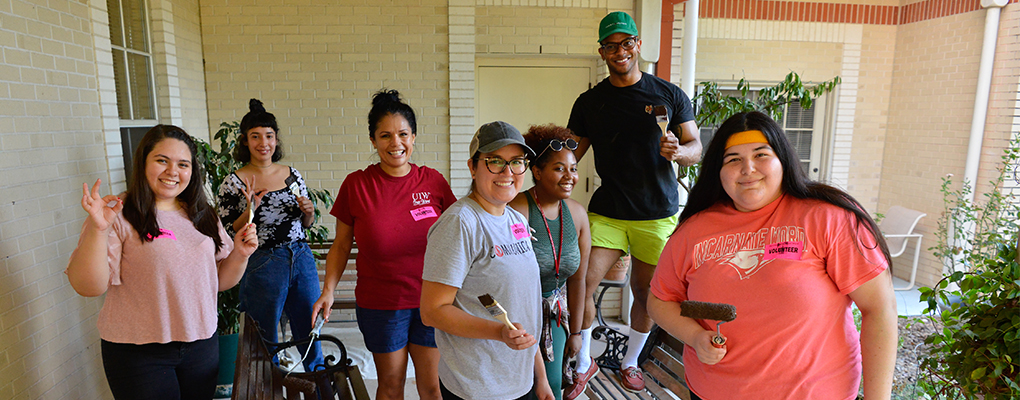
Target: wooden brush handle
(506, 320)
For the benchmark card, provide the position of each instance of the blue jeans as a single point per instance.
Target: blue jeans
(175, 370)
(279, 280)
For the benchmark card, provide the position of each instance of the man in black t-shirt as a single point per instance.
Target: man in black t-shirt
(636, 208)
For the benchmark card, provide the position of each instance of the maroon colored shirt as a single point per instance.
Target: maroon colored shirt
(391, 217)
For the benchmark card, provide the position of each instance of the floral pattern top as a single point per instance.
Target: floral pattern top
(278, 217)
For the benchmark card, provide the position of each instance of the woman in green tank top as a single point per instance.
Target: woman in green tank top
(562, 240)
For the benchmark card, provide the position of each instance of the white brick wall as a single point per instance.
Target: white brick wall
(51, 139)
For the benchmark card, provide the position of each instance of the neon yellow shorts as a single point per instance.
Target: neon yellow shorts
(644, 240)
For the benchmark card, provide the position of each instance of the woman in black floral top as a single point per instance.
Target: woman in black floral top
(281, 275)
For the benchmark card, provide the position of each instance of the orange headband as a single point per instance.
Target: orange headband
(745, 137)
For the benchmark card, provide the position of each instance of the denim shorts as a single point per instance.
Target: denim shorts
(386, 331)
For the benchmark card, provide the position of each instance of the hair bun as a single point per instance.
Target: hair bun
(385, 96)
(254, 105)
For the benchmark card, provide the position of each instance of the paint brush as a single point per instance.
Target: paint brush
(292, 185)
(709, 311)
(661, 118)
(496, 310)
(251, 212)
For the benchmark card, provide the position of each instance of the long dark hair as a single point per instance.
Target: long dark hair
(709, 190)
(386, 102)
(140, 203)
(257, 117)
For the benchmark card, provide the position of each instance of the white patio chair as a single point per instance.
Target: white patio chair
(898, 228)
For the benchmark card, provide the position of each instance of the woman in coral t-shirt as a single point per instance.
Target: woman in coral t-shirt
(791, 255)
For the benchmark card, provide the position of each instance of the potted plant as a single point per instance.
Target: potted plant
(219, 164)
(977, 353)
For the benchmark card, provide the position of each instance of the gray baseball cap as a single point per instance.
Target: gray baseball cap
(494, 135)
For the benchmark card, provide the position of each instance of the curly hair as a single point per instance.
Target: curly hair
(538, 137)
(257, 117)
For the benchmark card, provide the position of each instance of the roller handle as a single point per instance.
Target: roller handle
(718, 342)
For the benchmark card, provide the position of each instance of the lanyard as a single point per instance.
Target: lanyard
(557, 252)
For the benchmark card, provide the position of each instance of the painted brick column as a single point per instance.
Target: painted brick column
(462, 91)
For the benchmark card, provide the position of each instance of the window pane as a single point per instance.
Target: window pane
(798, 117)
(801, 140)
(141, 88)
(116, 29)
(120, 77)
(136, 34)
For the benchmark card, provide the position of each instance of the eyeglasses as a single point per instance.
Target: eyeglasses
(557, 145)
(627, 44)
(497, 165)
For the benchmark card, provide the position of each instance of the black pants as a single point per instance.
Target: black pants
(694, 396)
(450, 396)
(175, 370)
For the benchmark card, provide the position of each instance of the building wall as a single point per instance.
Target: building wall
(58, 129)
(316, 66)
(931, 107)
(51, 142)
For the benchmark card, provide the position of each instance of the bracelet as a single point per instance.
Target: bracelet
(578, 333)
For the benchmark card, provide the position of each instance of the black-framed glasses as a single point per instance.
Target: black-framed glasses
(497, 165)
(557, 145)
(627, 44)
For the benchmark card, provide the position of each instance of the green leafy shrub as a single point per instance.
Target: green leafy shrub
(975, 353)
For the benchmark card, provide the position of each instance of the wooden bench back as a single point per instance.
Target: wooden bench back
(254, 372)
(343, 296)
(256, 377)
(663, 355)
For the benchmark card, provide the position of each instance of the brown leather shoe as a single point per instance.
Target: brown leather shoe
(632, 379)
(580, 382)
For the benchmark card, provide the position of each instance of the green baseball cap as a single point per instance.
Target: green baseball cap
(617, 21)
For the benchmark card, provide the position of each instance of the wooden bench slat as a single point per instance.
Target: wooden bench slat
(667, 362)
(662, 363)
(665, 379)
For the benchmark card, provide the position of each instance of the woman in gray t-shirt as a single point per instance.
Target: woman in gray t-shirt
(480, 246)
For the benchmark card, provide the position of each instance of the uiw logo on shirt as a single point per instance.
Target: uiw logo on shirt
(747, 253)
(420, 198)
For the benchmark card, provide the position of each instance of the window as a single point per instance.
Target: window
(132, 69)
(803, 128)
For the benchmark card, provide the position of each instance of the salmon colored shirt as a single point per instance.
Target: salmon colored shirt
(788, 268)
(164, 290)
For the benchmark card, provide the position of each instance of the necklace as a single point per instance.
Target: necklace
(557, 252)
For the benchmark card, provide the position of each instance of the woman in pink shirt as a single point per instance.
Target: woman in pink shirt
(791, 255)
(160, 255)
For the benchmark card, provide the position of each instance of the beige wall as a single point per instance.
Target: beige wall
(316, 67)
(51, 143)
(59, 128)
(930, 112)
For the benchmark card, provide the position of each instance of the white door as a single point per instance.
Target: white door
(525, 92)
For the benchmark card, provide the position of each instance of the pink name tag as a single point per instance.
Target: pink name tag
(520, 231)
(425, 212)
(164, 233)
(784, 250)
